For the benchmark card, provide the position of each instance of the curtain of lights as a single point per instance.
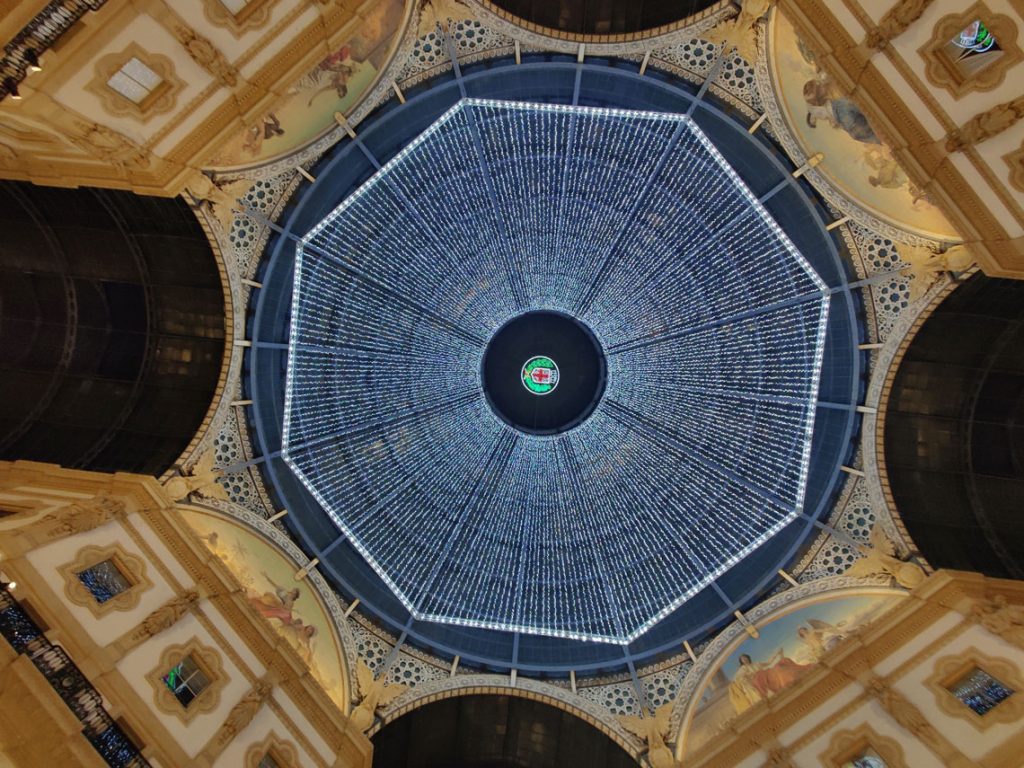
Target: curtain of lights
(713, 327)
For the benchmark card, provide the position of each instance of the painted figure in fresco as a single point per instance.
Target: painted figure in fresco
(820, 637)
(743, 694)
(267, 128)
(777, 674)
(755, 681)
(331, 74)
(824, 103)
(301, 636)
(277, 604)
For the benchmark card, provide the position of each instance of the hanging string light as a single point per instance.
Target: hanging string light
(712, 326)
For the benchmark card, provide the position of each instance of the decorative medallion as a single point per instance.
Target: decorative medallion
(540, 375)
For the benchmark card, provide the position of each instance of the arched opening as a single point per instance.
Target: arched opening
(494, 732)
(603, 17)
(111, 327)
(954, 431)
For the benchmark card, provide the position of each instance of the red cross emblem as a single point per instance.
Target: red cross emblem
(540, 375)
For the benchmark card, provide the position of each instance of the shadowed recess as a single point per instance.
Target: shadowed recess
(111, 327)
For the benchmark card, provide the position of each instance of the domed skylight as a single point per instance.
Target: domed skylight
(703, 326)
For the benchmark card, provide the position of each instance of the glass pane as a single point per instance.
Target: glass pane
(975, 38)
(141, 74)
(268, 761)
(980, 691)
(104, 580)
(234, 6)
(186, 680)
(127, 87)
(867, 759)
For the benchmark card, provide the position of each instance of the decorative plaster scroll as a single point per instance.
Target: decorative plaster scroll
(238, 718)
(205, 54)
(910, 717)
(895, 22)
(985, 125)
(160, 619)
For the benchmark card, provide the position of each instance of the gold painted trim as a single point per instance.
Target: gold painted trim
(132, 567)
(948, 669)
(944, 72)
(283, 752)
(848, 745)
(161, 99)
(208, 660)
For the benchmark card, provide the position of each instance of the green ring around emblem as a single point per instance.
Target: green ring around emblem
(540, 375)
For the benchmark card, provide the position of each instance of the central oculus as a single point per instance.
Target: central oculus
(541, 396)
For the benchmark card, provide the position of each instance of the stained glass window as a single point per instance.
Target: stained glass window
(104, 580)
(980, 691)
(186, 680)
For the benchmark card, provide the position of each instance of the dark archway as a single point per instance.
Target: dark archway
(603, 17)
(494, 732)
(111, 327)
(954, 431)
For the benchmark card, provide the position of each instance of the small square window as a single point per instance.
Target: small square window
(104, 580)
(869, 758)
(135, 81)
(979, 690)
(186, 680)
(972, 49)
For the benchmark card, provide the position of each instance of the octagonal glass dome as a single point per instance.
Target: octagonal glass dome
(709, 325)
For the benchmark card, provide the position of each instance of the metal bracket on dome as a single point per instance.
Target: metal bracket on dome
(716, 69)
(454, 56)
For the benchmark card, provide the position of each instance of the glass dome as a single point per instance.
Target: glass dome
(639, 207)
(712, 326)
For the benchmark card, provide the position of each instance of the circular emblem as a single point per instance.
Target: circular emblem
(540, 375)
